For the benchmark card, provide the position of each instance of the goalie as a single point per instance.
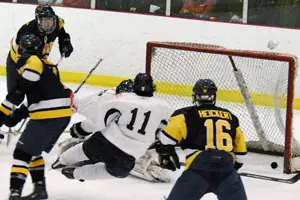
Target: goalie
(146, 167)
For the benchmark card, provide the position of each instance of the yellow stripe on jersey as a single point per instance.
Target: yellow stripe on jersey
(5, 110)
(51, 114)
(190, 159)
(176, 128)
(21, 170)
(14, 52)
(47, 62)
(33, 64)
(61, 23)
(37, 163)
(239, 142)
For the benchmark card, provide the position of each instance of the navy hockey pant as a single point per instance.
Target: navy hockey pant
(193, 185)
(41, 135)
(98, 149)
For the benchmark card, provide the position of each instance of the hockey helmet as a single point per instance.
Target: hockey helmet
(204, 92)
(46, 18)
(143, 85)
(125, 86)
(31, 44)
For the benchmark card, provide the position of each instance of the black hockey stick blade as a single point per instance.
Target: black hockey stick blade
(292, 180)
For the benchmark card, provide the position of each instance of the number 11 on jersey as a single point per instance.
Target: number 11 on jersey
(130, 126)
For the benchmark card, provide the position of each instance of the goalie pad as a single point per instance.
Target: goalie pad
(147, 168)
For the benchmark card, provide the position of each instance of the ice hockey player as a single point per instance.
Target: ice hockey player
(214, 146)
(49, 110)
(124, 129)
(147, 166)
(47, 26)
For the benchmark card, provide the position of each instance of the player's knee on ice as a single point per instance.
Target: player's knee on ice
(120, 167)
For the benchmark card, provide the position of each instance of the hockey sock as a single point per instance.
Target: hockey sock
(19, 169)
(37, 169)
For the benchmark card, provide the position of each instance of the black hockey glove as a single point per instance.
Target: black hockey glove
(17, 115)
(65, 46)
(15, 98)
(77, 132)
(3, 116)
(237, 166)
(167, 156)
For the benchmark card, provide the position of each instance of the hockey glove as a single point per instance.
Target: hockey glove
(2, 118)
(77, 132)
(17, 115)
(168, 157)
(5, 110)
(237, 166)
(16, 97)
(65, 46)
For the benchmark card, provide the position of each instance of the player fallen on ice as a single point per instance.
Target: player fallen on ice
(147, 166)
(49, 109)
(214, 146)
(122, 131)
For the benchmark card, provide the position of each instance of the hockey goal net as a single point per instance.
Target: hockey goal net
(260, 93)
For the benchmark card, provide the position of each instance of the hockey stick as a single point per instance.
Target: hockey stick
(292, 180)
(249, 104)
(89, 74)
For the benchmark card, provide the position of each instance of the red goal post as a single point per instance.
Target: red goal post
(260, 92)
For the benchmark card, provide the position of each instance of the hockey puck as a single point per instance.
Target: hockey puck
(274, 165)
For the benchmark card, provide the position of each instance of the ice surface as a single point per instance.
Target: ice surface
(130, 188)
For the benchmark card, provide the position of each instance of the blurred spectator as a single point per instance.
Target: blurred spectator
(290, 14)
(264, 12)
(77, 3)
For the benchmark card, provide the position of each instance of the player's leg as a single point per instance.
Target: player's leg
(189, 186)
(71, 156)
(117, 162)
(38, 136)
(231, 188)
(98, 149)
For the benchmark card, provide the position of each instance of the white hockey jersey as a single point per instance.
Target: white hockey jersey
(127, 120)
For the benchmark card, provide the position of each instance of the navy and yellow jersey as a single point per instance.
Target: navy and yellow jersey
(198, 128)
(32, 28)
(47, 97)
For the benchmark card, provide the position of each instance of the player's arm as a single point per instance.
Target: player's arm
(175, 130)
(14, 44)
(30, 73)
(97, 120)
(172, 135)
(240, 149)
(64, 39)
(84, 106)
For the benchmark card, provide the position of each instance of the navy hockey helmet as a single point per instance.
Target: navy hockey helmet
(143, 85)
(125, 86)
(31, 44)
(46, 18)
(204, 92)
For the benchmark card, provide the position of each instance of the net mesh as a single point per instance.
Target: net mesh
(176, 71)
